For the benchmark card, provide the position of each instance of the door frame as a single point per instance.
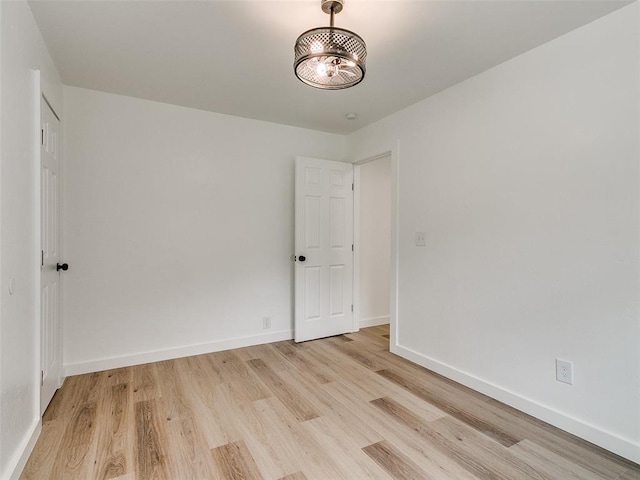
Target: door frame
(38, 96)
(394, 152)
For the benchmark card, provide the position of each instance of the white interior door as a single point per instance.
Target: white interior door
(50, 357)
(324, 248)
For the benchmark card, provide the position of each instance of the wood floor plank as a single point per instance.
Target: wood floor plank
(78, 390)
(355, 351)
(441, 385)
(632, 474)
(562, 443)
(294, 476)
(72, 461)
(476, 456)
(394, 462)
(305, 453)
(273, 357)
(201, 384)
(477, 448)
(172, 391)
(145, 382)
(58, 403)
(228, 365)
(128, 476)
(45, 452)
(226, 411)
(234, 462)
(367, 416)
(351, 459)
(114, 442)
(340, 404)
(422, 453)
(365, 386)
(201, 370)
(297, 358)
(505, 437)
(379, 329)
(305, 388)
(117, 376)
(263, 442)
(372, 340)
(552, 465)
(362, 378)
(302, 409)
(149, 453)
(188, 455)
(277, 447)
(247, 390)
(364, 422)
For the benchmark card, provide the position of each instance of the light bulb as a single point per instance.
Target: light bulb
(322, 69)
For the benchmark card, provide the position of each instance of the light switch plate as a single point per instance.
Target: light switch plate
(421, 239)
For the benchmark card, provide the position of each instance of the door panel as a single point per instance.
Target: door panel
(50, 361)
(312, 222)
(324, 236)
(312, 293)
(336, 290)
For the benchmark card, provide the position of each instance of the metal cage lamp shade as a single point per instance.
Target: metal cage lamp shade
(330, 58)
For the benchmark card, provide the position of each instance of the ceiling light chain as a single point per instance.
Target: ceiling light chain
(330, 58)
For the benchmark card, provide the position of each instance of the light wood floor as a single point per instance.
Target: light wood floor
(337, 408)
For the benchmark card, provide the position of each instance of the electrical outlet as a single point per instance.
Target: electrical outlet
(266, 323)
(421, 239)
(564, 371)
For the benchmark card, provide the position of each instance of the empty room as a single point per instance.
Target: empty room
(320, 239)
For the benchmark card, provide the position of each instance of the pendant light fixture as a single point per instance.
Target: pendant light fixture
(330, 58)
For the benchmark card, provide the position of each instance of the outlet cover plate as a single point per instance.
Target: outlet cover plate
(564, 371)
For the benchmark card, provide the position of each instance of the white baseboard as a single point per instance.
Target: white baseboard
(374, 321)
(17, 463)
(171, 353)
(606, 440)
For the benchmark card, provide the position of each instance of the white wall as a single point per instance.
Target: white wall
(22, 51)
(374, 241)
(178, 228)
(525, 179)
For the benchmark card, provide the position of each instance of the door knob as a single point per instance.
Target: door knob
(302, 258)
(62, 266)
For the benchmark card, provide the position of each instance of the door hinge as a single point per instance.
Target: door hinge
(352, 308)
(41, 258)
(41, 378)
(42, 136)
(352, 248)
(352, 187)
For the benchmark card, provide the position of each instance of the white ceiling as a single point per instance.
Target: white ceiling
(236, 57)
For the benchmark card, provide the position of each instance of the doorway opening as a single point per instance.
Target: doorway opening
(375, 238)
(374, 241)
